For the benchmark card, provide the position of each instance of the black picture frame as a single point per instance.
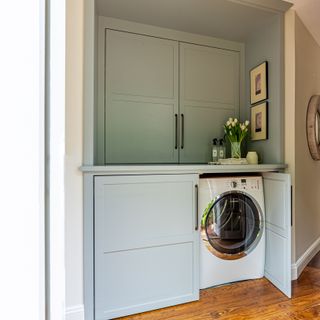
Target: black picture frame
(259, 83)
(259, 121)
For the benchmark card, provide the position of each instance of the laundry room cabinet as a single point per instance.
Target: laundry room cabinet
(145, 243)
(209, 95)
(162, 100)
(141, 99)
(142, 239)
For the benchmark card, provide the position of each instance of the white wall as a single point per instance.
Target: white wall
(289, 110)
(307, 171)
(22, 160)
(73, 177)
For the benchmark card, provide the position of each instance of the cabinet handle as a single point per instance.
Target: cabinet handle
(197, 208)
(176, 131)
(182, 131)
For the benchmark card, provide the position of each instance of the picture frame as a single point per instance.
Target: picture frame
(259, 121)
(259, 83)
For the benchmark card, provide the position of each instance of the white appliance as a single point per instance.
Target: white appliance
(232, 223)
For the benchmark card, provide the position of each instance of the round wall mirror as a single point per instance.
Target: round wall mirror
(313, 127)
(317, 127)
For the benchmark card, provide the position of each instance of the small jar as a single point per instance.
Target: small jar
(252, 157)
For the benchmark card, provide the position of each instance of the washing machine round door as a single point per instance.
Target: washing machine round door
(232, 225)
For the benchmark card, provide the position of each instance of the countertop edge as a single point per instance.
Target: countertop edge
(180, 169)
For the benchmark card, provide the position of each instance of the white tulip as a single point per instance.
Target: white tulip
(233, 124)
(230, 120)
(247, 123)
(235, 120)
(228, 123)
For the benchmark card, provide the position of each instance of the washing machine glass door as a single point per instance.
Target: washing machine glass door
(232, 225)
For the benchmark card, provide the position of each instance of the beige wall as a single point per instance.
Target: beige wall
(307, 171)
(289, 118)
(74, 133)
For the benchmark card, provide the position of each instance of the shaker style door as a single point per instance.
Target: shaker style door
(146, 243)
(277, 193)
(141, 99)
(209, 95)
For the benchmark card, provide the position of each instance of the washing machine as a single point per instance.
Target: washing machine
(232, 229)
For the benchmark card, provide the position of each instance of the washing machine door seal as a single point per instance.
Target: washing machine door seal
(232, 225)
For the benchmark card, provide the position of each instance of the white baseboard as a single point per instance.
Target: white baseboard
(301, 263)
(75, 312)
(294, 271)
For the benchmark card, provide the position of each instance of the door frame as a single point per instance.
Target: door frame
(89, 90)
(55, 94)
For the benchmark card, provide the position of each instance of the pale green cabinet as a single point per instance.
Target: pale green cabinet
(163, 101)
(209, 95)
(147, 249)
(141, 101)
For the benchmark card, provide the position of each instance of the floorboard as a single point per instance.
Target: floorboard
(248, 300)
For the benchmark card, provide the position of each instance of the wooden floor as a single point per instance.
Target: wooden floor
(254, 299)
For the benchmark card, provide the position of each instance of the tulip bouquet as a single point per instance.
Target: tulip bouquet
(236, 132)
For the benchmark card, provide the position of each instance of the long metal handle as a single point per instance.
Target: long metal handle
(182, 131)
(197, 208)
(176, 131)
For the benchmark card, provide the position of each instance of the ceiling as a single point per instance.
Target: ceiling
(216, 18)
(309, 12)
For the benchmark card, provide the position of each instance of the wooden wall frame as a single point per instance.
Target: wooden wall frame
(313, 124)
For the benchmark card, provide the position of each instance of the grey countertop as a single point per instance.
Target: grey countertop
(180, 169)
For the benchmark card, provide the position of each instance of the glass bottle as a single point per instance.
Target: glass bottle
(215, 150)
(222, 150)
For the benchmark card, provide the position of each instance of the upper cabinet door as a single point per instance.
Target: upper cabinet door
(209, 95)
(141, 99)
(277, 193)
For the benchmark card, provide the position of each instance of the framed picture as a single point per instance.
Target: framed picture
(259, 121)
(259, 83)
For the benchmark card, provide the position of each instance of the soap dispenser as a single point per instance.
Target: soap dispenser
(222, 149)
(215, 150)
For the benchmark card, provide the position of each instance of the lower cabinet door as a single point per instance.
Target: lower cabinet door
(146, 243)
(277, 194)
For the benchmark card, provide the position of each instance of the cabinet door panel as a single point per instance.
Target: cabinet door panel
(144, 279)
(141, 98)
(277, 193)
(146, 246)
(140, 132)
(209, 95)
(139, 65)
(134, 212)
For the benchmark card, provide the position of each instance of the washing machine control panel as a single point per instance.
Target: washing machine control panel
(244, 184)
